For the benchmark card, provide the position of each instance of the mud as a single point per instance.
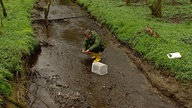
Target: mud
(61, 76)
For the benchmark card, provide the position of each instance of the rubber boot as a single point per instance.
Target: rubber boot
(97, 57)
(93, 55)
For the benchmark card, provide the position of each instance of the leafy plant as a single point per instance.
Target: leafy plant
(17, 40)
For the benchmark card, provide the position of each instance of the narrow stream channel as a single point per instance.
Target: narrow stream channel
(62, 77)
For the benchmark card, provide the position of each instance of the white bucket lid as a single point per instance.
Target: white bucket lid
(174, 55)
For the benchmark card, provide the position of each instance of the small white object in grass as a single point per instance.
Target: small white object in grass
(174, 55)
(99, 68)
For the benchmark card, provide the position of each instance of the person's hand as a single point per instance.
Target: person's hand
(83, 51)
(86, 52)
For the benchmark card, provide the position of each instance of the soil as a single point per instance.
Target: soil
(61, 76)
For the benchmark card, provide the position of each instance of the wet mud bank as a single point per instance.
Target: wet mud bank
(61, 75)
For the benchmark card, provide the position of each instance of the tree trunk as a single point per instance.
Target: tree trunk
(128, 2)
(46, 12)
(3, 7)
(173, 2)
(66, 1)
(1, 24)
(146, 2)
(156, 8)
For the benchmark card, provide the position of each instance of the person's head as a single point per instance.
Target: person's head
(88, 34)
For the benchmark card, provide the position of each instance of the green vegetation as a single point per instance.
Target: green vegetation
(16, 40)
(129, 23)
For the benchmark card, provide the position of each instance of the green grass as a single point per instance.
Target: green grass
(16, 40)
(129, 22)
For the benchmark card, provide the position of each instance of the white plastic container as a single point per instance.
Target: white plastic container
(174, 55)
(99, 68)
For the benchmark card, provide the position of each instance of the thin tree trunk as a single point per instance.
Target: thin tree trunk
(146, 1)
(156, 8)
(128, 2)
(66, 1)
(3, 7)
(173, 2)
(46, 12)
(1, 23)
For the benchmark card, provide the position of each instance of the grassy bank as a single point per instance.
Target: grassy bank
(129, 23)
(16, 40)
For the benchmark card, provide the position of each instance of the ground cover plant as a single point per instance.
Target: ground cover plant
(131, 24)
(16, 40)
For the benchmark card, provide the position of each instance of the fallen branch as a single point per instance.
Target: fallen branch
(151, 32)
(57, 19)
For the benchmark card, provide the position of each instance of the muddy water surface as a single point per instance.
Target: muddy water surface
(62, 76)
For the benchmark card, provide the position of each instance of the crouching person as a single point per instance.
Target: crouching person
(93, 45)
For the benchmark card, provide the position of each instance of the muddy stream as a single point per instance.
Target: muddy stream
(62, 78)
